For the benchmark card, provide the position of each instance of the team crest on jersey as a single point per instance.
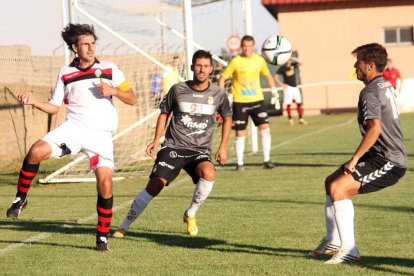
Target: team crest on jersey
(173, 154)
(210, 100)
(98, 73)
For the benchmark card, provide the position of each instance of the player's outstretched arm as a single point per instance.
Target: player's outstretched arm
(27, 98)
(372, 134)
(125, 95)
(221, 155)
(161, 122)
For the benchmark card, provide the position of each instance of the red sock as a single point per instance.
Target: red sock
(300, 110)
(289, 111)
(104, 210)
(27, 173)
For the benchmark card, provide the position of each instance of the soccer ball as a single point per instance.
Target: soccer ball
(276, 49)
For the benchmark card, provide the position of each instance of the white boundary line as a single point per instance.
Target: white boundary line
(45, 235)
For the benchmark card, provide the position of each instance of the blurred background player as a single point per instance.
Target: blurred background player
(248, 99)
(155, 86)
(215, 75)
(379, 161)
(188, 141)
(86, 87)
(291, 93)
(393, 75)
(168, 79)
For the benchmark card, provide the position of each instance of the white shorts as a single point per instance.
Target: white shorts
(96, 144)
(291, 94)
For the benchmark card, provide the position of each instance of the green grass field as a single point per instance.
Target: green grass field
(255, 222)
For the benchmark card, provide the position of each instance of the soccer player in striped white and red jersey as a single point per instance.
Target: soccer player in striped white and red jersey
(86, 87)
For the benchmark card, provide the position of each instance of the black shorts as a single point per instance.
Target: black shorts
(170, 161)
(376, 173)
(242, 111)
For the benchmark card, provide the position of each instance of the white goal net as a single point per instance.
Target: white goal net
(143, 38)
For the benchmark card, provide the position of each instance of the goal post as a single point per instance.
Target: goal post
(136, 123)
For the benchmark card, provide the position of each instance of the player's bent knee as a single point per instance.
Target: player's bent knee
(155, 185)
(38, 152)
(208, 175)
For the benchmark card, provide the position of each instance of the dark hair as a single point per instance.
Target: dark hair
(247, 38)
(372, 52)
(202, 54)
(71, 33)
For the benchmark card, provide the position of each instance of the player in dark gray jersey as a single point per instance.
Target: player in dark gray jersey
(378, 162)
(194, 120)
(188, 141)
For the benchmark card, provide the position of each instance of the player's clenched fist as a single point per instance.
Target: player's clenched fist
(25, 98)
(105, 89)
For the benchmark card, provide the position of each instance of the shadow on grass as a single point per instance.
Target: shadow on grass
(258, 165)
(316, 153)
(407, 209)
(183, 241)
(48, 226)
(50, 244)
(393, 263)
(212, 244)
(369, 262)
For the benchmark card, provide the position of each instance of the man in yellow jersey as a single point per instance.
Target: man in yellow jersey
(248, 100)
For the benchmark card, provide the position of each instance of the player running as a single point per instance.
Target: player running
(379, 161)
(86, 87)
(188, 141)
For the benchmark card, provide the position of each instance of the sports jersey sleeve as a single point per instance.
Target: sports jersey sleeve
(281, 70)
(372, 105)
(118, 78)
(264, 70)
(398, 74)
(228, 71)
(224, 108)
(166, 105)
(58, 92)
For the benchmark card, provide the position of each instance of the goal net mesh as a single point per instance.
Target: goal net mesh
(136, 22)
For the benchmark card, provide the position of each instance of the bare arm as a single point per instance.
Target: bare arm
(221, 82)
(372, 134)
(298, 62)
(26, 98)
(127, 97)
(270, 81)
(221, 155)
(277, 80)
(161, 123)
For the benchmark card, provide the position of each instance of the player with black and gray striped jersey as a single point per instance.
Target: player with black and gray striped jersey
(188, 140)
(379, 161)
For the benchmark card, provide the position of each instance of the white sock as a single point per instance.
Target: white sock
(139, 204)
(332, 234)
(201, 192)
(266, 144)
(344, 216)
(239, 150)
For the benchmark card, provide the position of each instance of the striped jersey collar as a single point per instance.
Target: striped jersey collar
(75, 63)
